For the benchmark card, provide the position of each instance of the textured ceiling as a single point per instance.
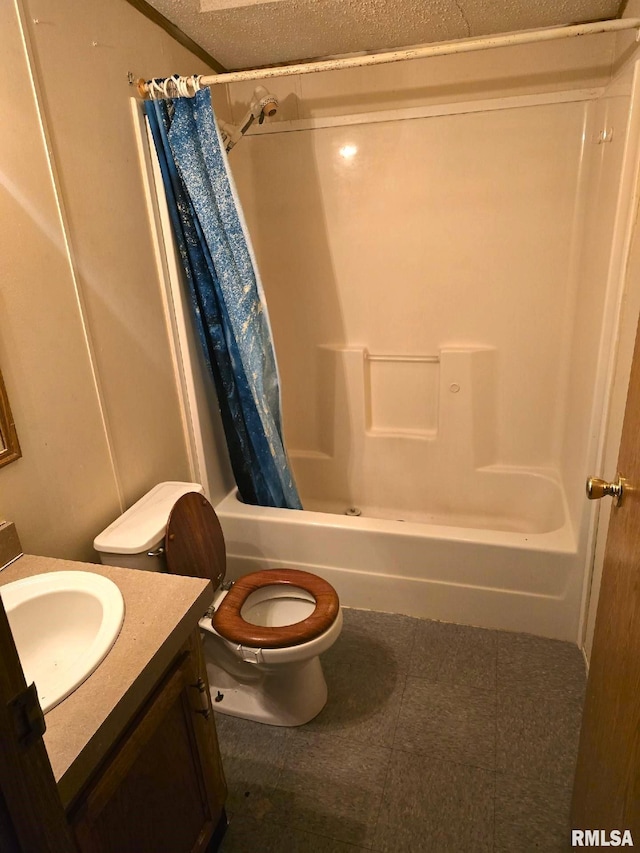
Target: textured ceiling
(263, 33)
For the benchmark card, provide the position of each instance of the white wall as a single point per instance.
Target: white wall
(83, 339)
(65, 479)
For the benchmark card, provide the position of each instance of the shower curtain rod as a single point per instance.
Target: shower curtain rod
(191, 84)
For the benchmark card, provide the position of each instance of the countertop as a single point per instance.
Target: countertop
(161, 610)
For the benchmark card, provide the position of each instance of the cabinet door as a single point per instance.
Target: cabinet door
(163, 790)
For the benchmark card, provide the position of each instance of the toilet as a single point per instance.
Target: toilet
(263, 634)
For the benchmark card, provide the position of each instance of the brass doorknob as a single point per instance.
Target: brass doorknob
(597, 488)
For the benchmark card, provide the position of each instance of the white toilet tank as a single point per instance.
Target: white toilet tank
(135, 539)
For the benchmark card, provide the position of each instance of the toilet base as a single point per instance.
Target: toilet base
(287, 695)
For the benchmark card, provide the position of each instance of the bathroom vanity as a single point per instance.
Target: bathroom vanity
(134, 749)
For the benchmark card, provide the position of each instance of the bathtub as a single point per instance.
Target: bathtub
(517, 581)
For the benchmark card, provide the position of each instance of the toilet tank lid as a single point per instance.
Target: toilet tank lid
(143, 525)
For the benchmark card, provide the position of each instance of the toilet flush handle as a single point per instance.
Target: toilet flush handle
(157, 553)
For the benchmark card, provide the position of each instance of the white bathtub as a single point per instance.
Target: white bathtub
(495, 579)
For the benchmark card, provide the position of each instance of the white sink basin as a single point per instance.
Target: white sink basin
(63, 624)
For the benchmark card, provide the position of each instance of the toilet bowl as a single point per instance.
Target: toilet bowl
(263, 634)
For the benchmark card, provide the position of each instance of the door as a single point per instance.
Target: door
(31, 814)
(606, 793)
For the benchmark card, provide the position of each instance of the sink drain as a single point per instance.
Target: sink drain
(354, 511)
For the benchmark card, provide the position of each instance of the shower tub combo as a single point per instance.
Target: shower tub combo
(435, 481)
(458, 538)
(461, 538)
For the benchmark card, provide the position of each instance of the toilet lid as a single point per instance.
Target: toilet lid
(194, 546)
(194, 543)
(229, 623)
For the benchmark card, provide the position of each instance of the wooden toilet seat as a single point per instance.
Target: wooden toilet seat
(229, 623)
(194, 546)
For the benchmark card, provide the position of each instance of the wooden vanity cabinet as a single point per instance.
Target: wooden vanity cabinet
(162, 788)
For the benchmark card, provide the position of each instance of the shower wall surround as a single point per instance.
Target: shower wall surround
(451, 236)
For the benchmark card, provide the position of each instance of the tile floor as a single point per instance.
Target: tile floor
(436, 737)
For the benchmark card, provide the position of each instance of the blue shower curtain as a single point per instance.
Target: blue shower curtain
(226, 295)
